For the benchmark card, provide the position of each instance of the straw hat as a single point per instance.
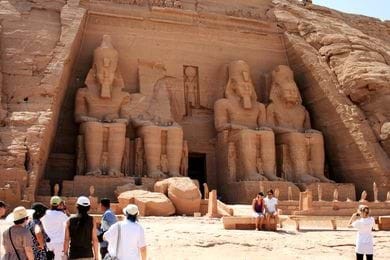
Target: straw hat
(19, 213)
(130, 209)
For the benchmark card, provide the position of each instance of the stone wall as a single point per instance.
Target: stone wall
(40, 41)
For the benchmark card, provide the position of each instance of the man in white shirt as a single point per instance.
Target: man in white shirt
(126, 239)
(271, 207)
(54, 223)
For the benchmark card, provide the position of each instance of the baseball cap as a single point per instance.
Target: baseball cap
(55, 201)
(130, 209)
(83, 201)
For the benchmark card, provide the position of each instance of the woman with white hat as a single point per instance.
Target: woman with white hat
(80, 233)
(17, 240)
(126, 239)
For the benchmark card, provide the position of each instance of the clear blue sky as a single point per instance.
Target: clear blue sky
(375, 8)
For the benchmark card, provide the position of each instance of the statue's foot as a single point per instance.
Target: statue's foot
(174, 174)
(157, 174)
(255, 177)
(96, 172)
(273, 177)
(324, 179)
(115, 173)
(306, 178)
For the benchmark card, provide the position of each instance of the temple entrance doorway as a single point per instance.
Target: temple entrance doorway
(197, 168)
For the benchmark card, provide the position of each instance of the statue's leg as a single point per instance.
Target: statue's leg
(93, 141)
(317, 155)
(174, 150)
(247, 151)
(151, 136)
(299, 157)
(116, 147)
(267, 153)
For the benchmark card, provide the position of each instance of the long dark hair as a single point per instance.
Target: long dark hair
(132, 218)
(82, 214)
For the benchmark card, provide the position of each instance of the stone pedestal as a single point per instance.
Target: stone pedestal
(345, 190)
(243, 192)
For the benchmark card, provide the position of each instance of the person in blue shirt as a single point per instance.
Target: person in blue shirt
(108, 219)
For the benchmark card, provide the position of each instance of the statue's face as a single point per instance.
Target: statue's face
(244, 89)
(288, 89)
(105, 74)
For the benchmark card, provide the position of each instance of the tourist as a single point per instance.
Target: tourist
(3, 208)
(126, 239)
(54, 225)
(17, 240)
(258, 208)
(271, 207)
(362, 221)
(108, 219)
(80, 233)
(38, 233)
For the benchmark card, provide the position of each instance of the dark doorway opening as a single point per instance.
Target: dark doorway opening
(197, 168)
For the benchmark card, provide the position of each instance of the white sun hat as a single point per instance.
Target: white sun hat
(130, 209)
(83, 201)
(19, 213)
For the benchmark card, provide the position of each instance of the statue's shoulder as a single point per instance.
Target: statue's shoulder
(221, 103)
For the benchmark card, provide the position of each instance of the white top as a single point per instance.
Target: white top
(364, 238)
(54, 223)
(271, 204)
(132, 238)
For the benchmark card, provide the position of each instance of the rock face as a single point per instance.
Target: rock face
(149, 203)
(343, 72)
(39, 42)
(183, 193)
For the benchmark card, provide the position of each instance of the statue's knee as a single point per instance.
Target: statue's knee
(92, 126)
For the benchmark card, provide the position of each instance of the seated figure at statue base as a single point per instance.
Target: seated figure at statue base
(300, 149)
(246, 149)
(100, 110)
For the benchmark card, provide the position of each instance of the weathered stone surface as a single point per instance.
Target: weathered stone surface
(149, 203)
(183, 193)
(343, 72)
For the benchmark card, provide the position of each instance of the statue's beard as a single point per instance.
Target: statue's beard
(246, 102)
(105, 91)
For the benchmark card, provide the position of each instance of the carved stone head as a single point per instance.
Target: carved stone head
(283, 88)
(240, 84)
(105, 62)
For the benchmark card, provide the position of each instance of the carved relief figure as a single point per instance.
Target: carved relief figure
(162, 136)
(291, 123)
(191, 88)
(100, 110)
(244, 118)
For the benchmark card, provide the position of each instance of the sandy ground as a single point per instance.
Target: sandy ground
(203, 238)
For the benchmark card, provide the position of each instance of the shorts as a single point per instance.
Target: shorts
(258, 214)
(272, 213)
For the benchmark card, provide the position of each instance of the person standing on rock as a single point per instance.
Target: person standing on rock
(126, 239)
(258, 208)
(54, 224)
(108, 219)
(362, 221)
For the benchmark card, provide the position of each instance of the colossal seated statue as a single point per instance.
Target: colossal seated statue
(243, 119)
(291, 123)
(162, 137)
(100, 110)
